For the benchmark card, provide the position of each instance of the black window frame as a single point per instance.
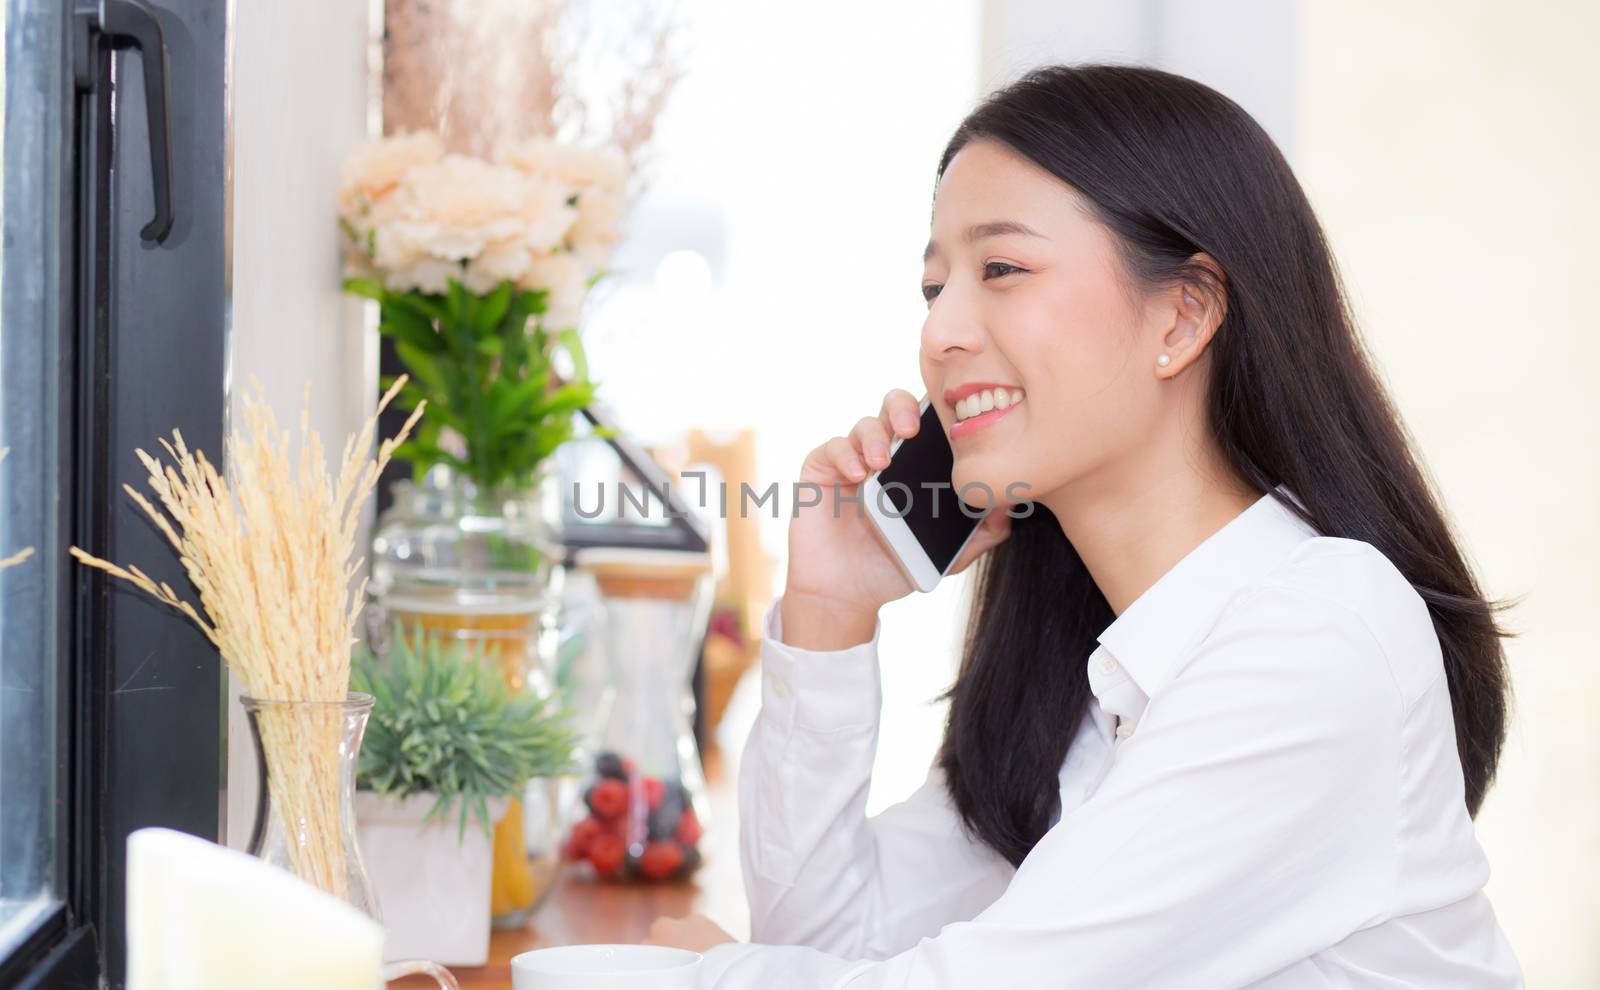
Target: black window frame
(141, 727)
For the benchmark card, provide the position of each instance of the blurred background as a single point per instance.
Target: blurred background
(766, 297)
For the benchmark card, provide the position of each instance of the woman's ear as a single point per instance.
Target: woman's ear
(1190, 315)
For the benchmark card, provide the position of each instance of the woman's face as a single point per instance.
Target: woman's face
(1026, 293)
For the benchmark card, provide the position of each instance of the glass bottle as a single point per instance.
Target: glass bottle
(641, 808)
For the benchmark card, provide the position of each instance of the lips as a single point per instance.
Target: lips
(977, 403)
(972, 416)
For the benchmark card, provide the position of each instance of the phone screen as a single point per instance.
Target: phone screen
(932, 514)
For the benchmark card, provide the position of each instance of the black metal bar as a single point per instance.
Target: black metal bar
(133, 24)
(150, 358)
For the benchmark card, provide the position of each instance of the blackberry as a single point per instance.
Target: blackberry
(691, 859)
(609, 764)
(663, 821)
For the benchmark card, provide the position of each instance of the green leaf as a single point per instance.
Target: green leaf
(422, 366)
(458, 304)
(574, 347)
(369, 288)
(495, 306)
(568, 398)
(537, 301)
(406, 325)
(426, 306)
(427, 455)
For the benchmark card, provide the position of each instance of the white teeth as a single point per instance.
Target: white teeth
(981, 402)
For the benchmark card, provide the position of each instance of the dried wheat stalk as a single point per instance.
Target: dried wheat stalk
(270, 548)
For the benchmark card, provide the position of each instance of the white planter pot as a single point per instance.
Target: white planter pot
(433, 889)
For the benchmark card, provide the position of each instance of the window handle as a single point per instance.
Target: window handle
(133, 24)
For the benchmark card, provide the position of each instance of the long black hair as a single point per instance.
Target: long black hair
(1171, 167)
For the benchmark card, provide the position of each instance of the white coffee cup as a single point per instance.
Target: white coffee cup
(606, 967)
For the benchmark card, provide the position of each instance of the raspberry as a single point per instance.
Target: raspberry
(605, 855)
(660, 860)
(583, 833)
(608, 798)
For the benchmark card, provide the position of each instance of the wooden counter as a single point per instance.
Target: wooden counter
(582, 911)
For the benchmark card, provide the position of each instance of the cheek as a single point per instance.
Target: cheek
(1071, 343)
(1079, 364)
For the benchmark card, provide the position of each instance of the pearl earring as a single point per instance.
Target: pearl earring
(1163, 360)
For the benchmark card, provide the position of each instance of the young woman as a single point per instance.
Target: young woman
(1230, 694)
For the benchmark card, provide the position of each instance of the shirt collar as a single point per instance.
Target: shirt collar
(1173, 614)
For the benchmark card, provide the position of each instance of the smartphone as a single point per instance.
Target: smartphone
(915, 508)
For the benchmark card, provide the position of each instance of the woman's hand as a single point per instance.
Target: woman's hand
(696, 932)
(840, 572)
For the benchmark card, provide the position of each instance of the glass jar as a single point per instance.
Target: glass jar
(479, 561)
(305, 808)
(481, 569)
(641, 807)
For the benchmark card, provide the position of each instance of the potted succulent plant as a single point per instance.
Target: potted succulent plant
(448, 745)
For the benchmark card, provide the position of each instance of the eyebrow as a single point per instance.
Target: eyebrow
(993, 228)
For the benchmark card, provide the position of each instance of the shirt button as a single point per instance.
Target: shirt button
(1124, 731)
(1107, 663)
(780, 687)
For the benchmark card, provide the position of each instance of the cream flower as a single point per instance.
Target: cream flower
(431, 275)
(546, 212)
(453, 207)
(461, 210)
(566, 278)
(598, 227)
(546, 216)
(575, 166)
(496, 263)
(373, 169)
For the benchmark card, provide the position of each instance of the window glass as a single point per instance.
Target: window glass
(32, 150)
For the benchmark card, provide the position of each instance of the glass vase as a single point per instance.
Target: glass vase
(306, 752)
(444, 529)
(481, 569)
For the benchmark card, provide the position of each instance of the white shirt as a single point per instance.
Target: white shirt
(1266, 794)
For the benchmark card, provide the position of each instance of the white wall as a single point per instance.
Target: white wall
(1246, 49)
(299, 99)
(1451, 151)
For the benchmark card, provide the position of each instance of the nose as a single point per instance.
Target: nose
(953, 325)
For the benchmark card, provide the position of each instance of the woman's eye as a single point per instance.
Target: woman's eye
(929, 291)
(989, 269)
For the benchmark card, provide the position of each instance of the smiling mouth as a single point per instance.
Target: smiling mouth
(979, 403)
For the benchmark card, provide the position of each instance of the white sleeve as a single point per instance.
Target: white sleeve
(817, 871)
(1248, 822)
